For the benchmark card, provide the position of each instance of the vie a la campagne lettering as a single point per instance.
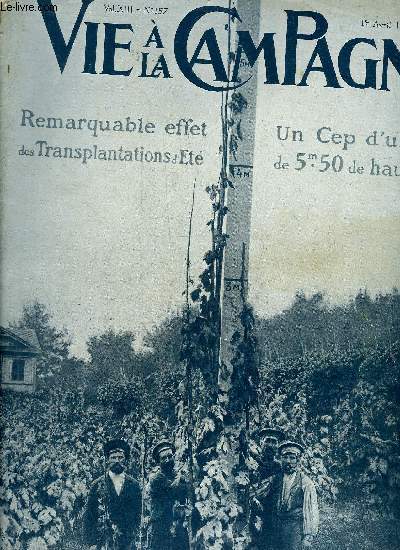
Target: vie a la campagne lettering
(320, 60)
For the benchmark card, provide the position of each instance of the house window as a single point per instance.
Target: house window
(18, 370)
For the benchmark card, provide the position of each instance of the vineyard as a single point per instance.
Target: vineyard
(338, 394)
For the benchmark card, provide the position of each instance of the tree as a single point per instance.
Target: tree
(54, 343)
(312, 324)
(69, 378)
(164, 342)
(162, 369)
(112, 357)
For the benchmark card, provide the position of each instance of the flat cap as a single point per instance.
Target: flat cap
(290, 447)
(275, 433)
(164, 444)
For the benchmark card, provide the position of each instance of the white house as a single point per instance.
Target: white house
(19, 351)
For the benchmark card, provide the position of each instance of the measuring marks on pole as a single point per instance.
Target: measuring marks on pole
(241, 171)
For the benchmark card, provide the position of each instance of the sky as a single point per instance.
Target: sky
(103, 244)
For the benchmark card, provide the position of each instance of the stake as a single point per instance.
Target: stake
(143, 472)
(189, 383)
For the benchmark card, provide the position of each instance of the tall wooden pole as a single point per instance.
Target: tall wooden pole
(240, 173)
(228, 274)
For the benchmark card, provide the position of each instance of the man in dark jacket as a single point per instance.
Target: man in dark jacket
(268, 465)
(168, 494)
(261, 525)
(112, 514)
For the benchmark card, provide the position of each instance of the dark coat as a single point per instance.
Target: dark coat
(168, 497)
(111, 518)
(268, 468)
(262, 538)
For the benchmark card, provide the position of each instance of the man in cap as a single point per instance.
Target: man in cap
(112, 514)
(261, 525)
(168, 494)
(293, 498)
(268, 466)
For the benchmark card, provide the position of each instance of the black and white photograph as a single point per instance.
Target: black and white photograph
(200, 273)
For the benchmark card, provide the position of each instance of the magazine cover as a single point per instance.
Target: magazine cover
(200, 219)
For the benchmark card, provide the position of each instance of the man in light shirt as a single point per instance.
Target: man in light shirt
(296, 502)
(112, 513)
(292, 499)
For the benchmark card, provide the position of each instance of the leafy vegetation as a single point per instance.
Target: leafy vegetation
(341, 400)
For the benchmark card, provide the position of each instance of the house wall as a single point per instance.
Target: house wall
(29, 382)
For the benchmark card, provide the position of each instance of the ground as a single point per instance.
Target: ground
(348, 527)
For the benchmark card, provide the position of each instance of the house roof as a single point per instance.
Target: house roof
(26, 336)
